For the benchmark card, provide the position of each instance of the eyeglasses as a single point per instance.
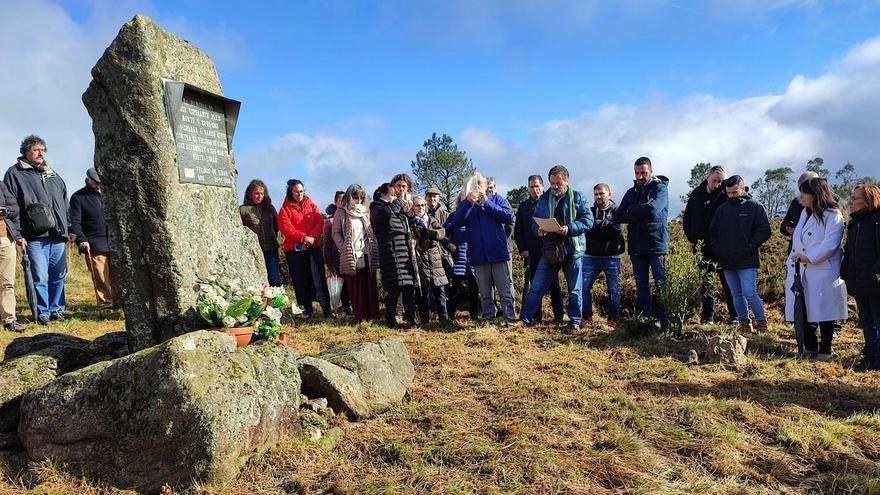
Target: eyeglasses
(419, 205)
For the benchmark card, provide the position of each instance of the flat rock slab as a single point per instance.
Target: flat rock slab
(192, 408)
(361, 381)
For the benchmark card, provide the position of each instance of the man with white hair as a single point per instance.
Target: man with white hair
(485, 214)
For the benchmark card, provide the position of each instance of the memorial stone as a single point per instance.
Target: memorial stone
(163, 148)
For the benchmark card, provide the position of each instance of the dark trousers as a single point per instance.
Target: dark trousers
(826, 332)
(531, 268)
(869, 320)
(309, 283)
(464, 285)
(409, 305)
(273, 271)
(432, 296)
(708, 312)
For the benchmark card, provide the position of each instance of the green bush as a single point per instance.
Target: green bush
(681, 293)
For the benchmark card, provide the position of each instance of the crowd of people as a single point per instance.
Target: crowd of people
(431, 260)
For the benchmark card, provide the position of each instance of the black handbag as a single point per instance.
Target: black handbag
(554, 253)
(40, 218)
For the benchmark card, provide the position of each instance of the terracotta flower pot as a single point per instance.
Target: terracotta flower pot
(242, 334)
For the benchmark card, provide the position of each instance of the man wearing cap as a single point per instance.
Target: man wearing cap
(41, 195)
(88, 225)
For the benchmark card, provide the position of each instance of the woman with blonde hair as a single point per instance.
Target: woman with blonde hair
(816, 247)
(861, 267)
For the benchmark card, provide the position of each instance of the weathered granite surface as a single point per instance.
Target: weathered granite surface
(164, 235)
(191, 409)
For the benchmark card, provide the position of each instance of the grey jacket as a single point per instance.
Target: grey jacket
(13, 228)
(29, 185)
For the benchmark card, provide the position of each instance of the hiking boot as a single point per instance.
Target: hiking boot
(761, 326)
(43, 320)
(745, 326)
(13, 326)
(57, 316)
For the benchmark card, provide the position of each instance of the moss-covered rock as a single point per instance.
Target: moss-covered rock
(361, 381)
(192, 408)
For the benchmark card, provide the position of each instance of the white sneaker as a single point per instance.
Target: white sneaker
(823, 357)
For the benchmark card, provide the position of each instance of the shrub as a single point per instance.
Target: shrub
(681, 293)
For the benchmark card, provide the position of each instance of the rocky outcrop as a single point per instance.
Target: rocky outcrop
(726, 349)
(166, 234)
(192, 408)
(360, 381)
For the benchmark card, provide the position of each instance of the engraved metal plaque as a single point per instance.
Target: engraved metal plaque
(202, 124)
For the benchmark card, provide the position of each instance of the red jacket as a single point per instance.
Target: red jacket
(298, 221)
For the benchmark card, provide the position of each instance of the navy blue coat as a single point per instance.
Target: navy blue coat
(487, 240)
(87, 219)
(645, 209)
(524, 235)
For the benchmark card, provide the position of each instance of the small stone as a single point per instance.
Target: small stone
(693, 357)
(314, 434)
(728, 350)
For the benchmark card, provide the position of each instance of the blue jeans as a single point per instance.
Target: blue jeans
(593, 266)
(744, 288)
(273, 270)
(544, 276)
(869, 319)
(48, 269)
(648, 304)
(555, 290)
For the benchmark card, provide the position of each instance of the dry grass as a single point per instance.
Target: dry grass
(495, 411)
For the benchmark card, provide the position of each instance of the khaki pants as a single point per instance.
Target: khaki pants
(102, 279)
(8, 260)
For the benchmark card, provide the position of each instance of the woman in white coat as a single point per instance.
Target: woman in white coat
(816, 245)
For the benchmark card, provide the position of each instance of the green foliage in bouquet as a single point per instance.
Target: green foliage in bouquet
(227, 305)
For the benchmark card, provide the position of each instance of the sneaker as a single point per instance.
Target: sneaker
(57, 316)
(823, 357)
(13, 326)
(513, 324)
(612, 323)
(43, 320)
(574, 328)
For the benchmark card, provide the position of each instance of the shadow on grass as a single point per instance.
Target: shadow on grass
(90, 312)
(831, 399)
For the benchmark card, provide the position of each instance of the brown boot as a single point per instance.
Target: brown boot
(761, 326)
(745, 326)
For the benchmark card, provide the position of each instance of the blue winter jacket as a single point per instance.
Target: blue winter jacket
(644, 209)
(487, 240)
(577, 224)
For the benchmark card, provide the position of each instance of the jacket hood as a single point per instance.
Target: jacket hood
(655, 179)
(23, 164)
(611, 204)
(307, 202)
(742, 199)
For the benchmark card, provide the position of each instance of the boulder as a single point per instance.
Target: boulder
(192, 408)
(361, 381)
(18, 376)
(727, 349)
(68, 351)
(106, 347)
(168, 233)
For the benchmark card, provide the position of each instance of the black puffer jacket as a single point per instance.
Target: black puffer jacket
(429, 253)
(738, 229)
(698, 213)
(605, 238)
(391, 228)
(861, 255)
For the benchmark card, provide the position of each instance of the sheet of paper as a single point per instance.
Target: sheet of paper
(548, 224)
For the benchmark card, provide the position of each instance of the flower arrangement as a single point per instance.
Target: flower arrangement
(230, 306)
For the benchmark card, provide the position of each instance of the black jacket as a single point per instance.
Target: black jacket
(698, 212)
(861, 255)
(262, 219)
(644, 210)
(792, 216)
(87, 219)
(605, 238)
(738, 229)
(524, 236)
(391, 228)
(30, 186)
(13, 227)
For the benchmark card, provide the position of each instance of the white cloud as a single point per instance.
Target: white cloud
(833, 116)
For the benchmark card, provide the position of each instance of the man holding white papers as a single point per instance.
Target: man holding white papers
(562, 248)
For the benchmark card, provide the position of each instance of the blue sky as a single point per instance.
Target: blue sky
(350, 90)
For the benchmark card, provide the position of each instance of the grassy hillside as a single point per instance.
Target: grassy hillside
(537, 411)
